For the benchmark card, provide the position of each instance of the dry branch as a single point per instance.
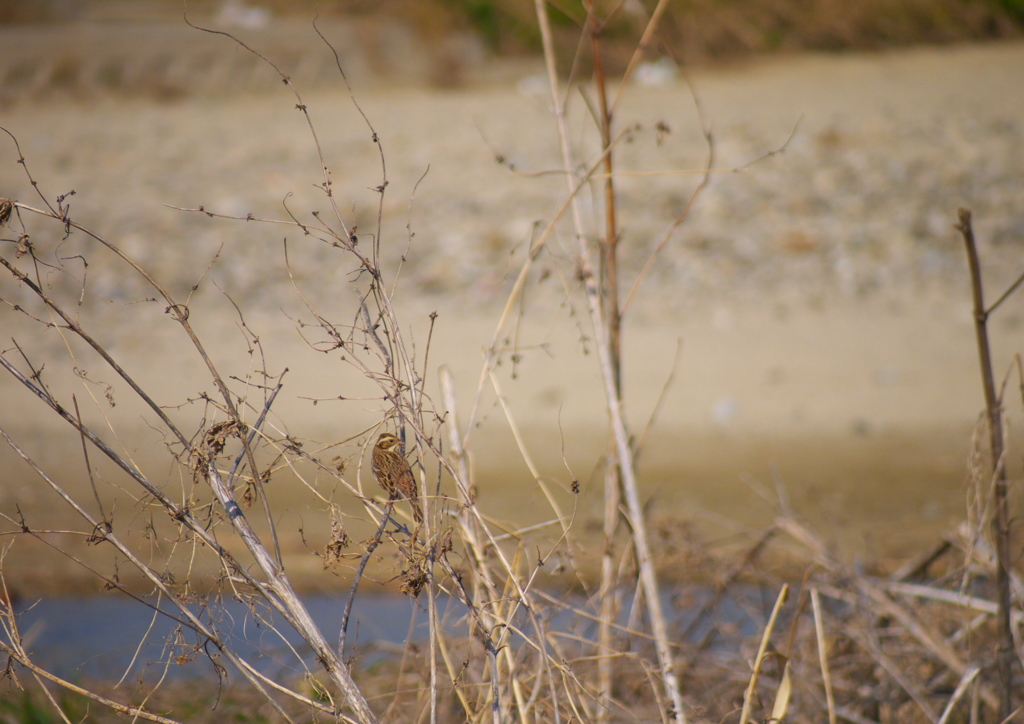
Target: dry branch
(1001, 519)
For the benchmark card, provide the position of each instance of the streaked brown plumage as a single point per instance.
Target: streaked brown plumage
(391, 470)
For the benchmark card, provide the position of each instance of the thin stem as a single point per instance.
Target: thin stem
(1001, 519)
(623, 450)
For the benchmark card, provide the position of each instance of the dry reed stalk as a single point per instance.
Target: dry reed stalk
(994, 414)
(472, 525)
(608, 593)
(961, 688)
(826, 678)
(613, 317)
(954, 598)
(748, 695)
(596, 302)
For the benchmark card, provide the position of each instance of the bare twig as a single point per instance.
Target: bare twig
(120, 708)
(1001, 519)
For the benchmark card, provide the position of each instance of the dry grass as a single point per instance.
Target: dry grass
(205, 528)
(911, 647)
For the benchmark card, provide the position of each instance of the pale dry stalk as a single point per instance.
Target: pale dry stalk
(826, 676)
(748, 696)
(623, 450)
(279, 591)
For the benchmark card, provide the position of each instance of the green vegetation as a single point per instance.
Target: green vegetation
(692, 30)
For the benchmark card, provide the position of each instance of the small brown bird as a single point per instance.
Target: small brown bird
(392, 472)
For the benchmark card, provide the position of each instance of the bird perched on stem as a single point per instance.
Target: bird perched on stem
(392, 471)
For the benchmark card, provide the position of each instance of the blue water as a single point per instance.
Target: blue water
(104, 636)
(111, 635)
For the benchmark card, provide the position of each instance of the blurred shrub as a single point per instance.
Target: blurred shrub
(39, 11)
(701, 30)
(692, 30)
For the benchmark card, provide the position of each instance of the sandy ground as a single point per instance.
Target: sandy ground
(805, 336)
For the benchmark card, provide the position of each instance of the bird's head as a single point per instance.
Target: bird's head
(386, 441)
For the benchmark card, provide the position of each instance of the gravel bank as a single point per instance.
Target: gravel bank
(819, 291)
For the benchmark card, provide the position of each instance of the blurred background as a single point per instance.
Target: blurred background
(443, 41)
(704, 29)
(814, 306)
